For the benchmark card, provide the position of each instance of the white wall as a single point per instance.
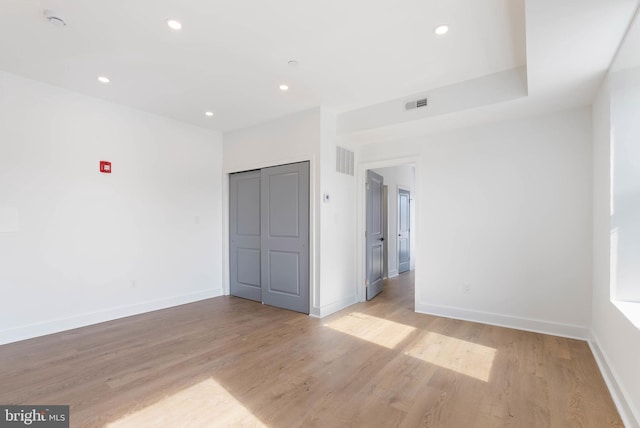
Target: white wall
(615, 340)
(506, 208)
(308, 135)
(290, 139)
(79, 247)
(402, 176)
(337, 261)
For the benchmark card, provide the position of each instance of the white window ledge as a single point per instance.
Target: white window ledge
(631, 310)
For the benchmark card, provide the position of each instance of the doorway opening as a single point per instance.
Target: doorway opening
(390, 244)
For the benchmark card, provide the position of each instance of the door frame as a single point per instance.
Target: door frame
(361, 219)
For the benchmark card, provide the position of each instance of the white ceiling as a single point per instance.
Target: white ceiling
(570, 45)
(231, 56)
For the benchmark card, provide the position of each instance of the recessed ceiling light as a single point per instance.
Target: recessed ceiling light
(441, 30)
(103, 79)
(174, 25)
(284, 87)
(293, 63)
(208, 113)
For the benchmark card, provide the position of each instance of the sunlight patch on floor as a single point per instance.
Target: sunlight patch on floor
(206, 404)
(372, 329)
(461, 356)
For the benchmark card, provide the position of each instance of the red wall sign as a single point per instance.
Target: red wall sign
(105, 166)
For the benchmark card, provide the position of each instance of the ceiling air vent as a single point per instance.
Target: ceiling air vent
(422, 102)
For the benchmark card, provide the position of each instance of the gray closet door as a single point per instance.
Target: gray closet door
(403, 230)
(285, 236)
(375, 234)
(244, 235)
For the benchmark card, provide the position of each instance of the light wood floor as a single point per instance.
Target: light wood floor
(232, 362)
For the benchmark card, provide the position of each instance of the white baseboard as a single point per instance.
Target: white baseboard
(630, 416)
(314, 312)
(55, 326)
(537, 326)
(336, 306)
(393, 273)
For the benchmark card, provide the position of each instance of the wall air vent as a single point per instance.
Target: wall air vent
(422, 102)
(344, 161)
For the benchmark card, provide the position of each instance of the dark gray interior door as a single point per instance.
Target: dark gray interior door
(244, 235)
(285, 236)
(404, 218)
(375, 234)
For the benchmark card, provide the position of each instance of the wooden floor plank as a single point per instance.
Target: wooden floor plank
(232, 362)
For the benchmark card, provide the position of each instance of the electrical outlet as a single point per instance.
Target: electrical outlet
(466, 288)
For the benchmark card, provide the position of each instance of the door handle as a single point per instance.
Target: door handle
(381, 239)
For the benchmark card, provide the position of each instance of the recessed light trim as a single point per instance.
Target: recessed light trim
(208, 113)
(103, 79)
(284, 87)
(293, 63)
(174, 24)
(441, 30)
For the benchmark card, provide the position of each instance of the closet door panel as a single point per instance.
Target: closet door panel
(285, 236)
